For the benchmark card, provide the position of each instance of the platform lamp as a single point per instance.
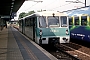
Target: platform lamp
(77, 1)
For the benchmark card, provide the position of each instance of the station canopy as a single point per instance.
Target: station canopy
(9, 7)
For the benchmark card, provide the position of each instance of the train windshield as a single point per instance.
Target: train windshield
(53, 21)
(42, 21)
(63, 21)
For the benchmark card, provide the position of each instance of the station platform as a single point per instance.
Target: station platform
(16, 46)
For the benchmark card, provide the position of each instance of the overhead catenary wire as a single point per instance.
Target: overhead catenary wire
(60, 6)
(46, 6)
(49, 4)
(31, 6)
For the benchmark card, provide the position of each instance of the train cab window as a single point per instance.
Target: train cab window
(42, 21)
(63, 21)
(76, 20)
(53, 21)
(70, 21)
(83, 20)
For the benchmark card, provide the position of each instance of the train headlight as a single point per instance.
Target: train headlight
(67, 33)
(40, 32)
(40, 41)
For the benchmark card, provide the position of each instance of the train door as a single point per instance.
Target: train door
(34, 27)
(71, 22)
(23, 26)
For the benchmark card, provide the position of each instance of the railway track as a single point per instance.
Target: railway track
(76, 50)
(70, 51)
(59, 53)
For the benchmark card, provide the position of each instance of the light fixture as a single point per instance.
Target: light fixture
(12, 6)
(12, 3)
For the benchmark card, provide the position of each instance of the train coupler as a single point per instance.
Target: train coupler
(54, 40)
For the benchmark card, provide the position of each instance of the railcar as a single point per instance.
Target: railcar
(79, 23)
(46, 27)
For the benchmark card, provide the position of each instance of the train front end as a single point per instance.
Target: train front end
(52, 30)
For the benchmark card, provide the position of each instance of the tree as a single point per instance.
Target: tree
(30, 12)
(23, 14)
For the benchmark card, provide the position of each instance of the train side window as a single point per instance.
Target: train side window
(26, 22)
(31, 22)
(20, 22)
(76, 20)
(84, 20)
(70, 20)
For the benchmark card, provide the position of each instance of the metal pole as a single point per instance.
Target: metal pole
(77, 1)
(85, 3)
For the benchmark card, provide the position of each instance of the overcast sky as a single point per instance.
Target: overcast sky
(55, 5)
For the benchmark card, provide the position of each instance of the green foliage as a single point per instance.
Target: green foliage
(23, 14)
(30, 12)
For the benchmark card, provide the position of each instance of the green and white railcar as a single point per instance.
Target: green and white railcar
(46, 27)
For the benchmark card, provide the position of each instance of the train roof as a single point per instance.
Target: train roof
(78, 11)
(46, 13)
(50, 13)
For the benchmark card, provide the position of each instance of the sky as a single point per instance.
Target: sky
(50, 5)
